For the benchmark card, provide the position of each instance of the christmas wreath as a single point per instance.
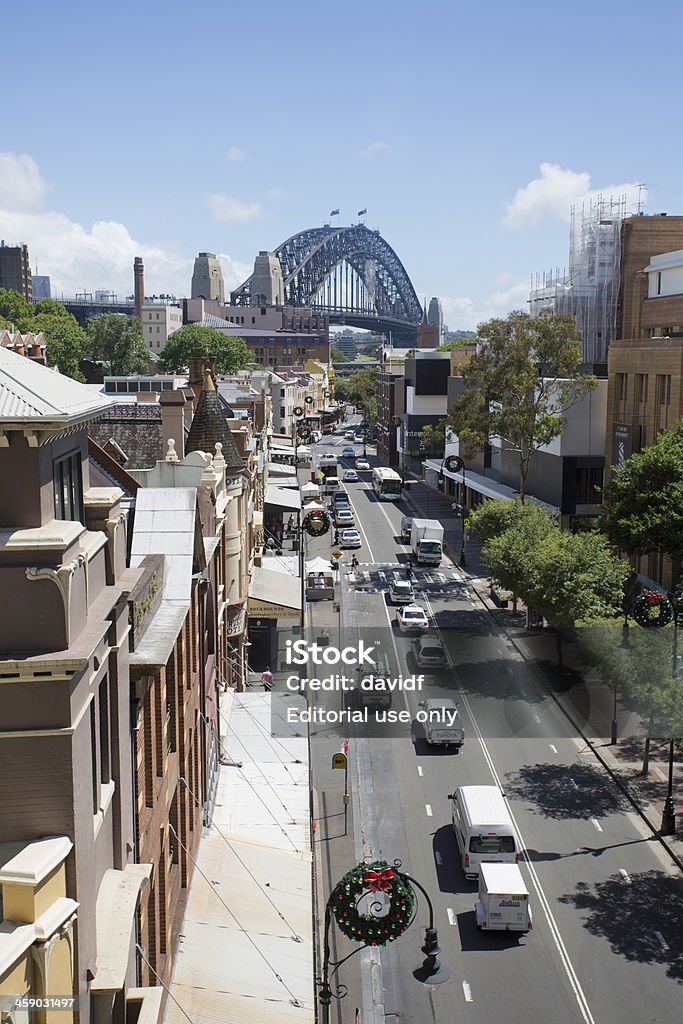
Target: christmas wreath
(316, 523)
(388, 900)
(652, 610)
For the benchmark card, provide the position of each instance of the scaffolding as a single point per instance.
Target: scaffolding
(589, 291)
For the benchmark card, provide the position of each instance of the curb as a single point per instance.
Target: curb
(612, 771)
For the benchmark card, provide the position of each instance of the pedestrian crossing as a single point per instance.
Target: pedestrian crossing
(375, 577)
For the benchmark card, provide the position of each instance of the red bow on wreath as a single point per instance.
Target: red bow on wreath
(653, 598)
(377, 880)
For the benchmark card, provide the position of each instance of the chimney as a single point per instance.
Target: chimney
(139, 276)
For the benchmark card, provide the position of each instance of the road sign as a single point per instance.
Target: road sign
(467, 523)
(336, 554)
(339, 761)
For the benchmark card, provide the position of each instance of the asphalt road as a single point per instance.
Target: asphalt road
(607, 941)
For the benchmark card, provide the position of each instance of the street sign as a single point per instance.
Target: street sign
(467, 523)
(336, 554)
(339, 761)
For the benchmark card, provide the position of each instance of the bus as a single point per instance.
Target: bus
(386, 483)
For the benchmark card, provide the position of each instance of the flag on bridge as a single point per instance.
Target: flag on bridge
(361, 212)
(334, 213)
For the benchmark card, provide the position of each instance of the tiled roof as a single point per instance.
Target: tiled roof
(209, 426)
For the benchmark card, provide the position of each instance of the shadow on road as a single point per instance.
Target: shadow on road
(641, 921)
(447, 862)
(471, 938)
(565, 791)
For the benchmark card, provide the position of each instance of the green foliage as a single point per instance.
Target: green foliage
(433, 437)
(460, 343)
(231, 353)
(14, 307)
(65, 340)
(509, 552)
(117, 342)
(360, 389)
(337, 356)
(52, 308)
(492, 518)
(519, 384)
(643, 509)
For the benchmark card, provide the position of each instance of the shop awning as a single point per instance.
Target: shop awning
(273, 595)
(286, 498)
(485, 485)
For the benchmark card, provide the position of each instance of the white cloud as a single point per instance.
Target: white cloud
(555, 192)
(21, 186)
(463, 314)
(377, 147)
(227, 209)
(236, 155)
(78, 258)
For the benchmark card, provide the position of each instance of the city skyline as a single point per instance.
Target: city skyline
(468, 153)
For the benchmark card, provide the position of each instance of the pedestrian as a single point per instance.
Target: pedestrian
(354, 563)
(290, 524)
(267, 678)
(336, 536)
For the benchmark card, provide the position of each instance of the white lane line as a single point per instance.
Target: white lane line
(451, 915)
(428, 809)
(553, 747)
(537, 719)
(574, 784)
(579, 995)
(661, 940)
(438, 858)
(467, 991)
(625, 875)
(596, 824)
(419, 770)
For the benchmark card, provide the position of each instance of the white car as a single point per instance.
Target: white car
(358, 438)
(344, 517)
(350, 539)
(401, 592)
(412, 619)
(350, 476)
(429, 652)
(348, 452)
(349, 435)
(362, 464)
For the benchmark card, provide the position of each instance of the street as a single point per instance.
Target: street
(607, 901)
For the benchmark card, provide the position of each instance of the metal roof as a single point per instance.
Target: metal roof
(165, 524)
(32, 392)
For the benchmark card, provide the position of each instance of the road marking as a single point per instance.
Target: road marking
(537, 719)
(661, 940)
(579, 995)
(597, 824)
(451, 916)
(438, 858)
(574, 784)
(553, 747)
(428, 808)
(419, 770)
(625, 875)
(469, 998)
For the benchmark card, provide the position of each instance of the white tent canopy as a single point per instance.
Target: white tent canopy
(318, 565)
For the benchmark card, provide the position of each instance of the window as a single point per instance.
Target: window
(663, 389)
(68, 487)
(621, 387)
(105, 743)
(641, 436)
(659, 282)
(641, 387)
(587, 483)
(492, 844)
(282, 411)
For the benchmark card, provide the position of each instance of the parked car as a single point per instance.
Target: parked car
(348, 452)
(350, 476)
(350, 539)
(344, 517)
(362, 464)
(401, 592)
(412, 619)
(429, 652)
(358, 438)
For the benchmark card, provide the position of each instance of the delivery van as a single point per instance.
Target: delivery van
(503, 903)
(482, 827)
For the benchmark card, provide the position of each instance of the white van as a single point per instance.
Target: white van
(482, 827)
(330, 484)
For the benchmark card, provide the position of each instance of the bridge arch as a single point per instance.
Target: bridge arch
(350, 273)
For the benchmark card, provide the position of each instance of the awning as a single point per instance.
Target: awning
(273, 595)
(286, 498)
(280, 469)
(115, 913)
(485, 485)
(238, 962)
(319, 565)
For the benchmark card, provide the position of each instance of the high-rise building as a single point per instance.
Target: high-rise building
(15, 269)
(41, 287)
(435, 316)
(207, 278)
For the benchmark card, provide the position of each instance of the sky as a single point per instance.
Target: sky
(468, 131)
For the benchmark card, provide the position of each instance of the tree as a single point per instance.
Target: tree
(337, 356)
(433, 437)
(117, 342)
(14, 307)
(519, 383)
(643, 508)
(231, 353)
(510, 533)
(65, 340)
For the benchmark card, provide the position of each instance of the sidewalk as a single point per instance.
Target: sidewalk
(583, 697)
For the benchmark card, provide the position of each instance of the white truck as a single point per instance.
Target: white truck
(503, 903)
(426, 541)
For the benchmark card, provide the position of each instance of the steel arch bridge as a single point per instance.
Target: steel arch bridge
(351, 274)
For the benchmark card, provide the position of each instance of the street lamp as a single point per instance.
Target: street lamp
(430, 972)
(624, 645)
(454, 464)
(669, 811)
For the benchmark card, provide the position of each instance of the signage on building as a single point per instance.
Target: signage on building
(622, 443)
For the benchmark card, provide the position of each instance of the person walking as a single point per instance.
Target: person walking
(267, 678)
(290, 524)
(354, 563)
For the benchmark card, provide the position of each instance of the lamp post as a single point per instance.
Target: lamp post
(624, 645)
(668, 827)
(454, 464)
